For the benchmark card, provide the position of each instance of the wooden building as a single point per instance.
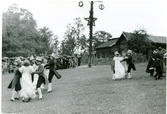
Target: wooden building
(107, 49)
(157, 41)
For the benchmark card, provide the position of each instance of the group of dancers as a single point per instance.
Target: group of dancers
(157, 63)
(30, 76)
(122, 65)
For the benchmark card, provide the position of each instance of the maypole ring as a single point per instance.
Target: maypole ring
(80, 4)
(101, 6)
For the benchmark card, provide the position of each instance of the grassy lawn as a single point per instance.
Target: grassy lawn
(86, 90)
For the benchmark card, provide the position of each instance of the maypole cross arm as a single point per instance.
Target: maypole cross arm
(93, 21)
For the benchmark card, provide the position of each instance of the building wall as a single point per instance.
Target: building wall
(106, 52)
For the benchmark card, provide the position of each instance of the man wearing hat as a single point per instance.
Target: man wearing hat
(52, 72)
(40, 73)
(131, 65)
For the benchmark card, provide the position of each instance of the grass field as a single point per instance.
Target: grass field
(86, 90)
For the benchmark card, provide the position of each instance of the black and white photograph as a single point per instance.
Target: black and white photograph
(83, 57)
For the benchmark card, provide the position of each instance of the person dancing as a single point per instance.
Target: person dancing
(15, 83)
(51, 66)
(131, 65)
(27, 91)
(118, 67)
(41, 79)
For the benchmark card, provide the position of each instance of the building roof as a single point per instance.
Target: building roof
(157, 39)
(108, 43)
(152, 38)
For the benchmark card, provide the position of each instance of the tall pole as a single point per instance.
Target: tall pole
(90, 34)
(91, 22)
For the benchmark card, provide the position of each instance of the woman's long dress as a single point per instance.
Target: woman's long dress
(119, 68)
(27, 90)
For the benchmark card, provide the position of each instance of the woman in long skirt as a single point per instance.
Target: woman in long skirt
(27, 90)
(118, 67)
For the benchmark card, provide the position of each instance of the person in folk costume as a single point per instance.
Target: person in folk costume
(34, 76)
(15, 83)
(27, 90)
(46, 71)
(32, 63)
(119, 70)
(40, 72)
(51, 66)
(131, 65)
(124, 63)
(150, 68)
(159, 65)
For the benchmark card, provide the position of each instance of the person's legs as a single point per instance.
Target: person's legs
(13, 95)
(51, 73)
(113, 75)
(129, 72)
(39, 83)
(151, 72)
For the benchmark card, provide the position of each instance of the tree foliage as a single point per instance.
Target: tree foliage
(139, 41)
(100, 37)
(20, 36)
(73, 38)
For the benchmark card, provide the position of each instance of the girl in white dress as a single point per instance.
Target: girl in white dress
(27, 90)
(118, 67)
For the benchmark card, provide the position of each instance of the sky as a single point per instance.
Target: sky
(117, 16)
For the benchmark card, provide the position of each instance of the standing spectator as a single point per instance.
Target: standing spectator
(79, 59)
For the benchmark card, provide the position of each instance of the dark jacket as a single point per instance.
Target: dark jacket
(51, 66)
(150, 63)
(15, 83)
(128, 59)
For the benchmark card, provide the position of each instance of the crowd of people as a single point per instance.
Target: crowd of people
(30, 76)
(62, 62)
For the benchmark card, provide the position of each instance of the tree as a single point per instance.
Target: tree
(73, 38)
(20, 36)
(46, 38)
(139, 41)
(100, 37)
(18, 26)
(69, 43)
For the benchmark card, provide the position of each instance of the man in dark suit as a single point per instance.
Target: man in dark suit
(15, 83)
(130, 63)
(52, 72)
